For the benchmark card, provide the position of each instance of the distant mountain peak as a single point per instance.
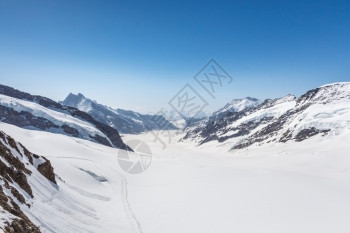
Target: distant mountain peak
(251, 98)
(240, 104)
(283, 99)
(74, 97)
(236, 105)
(81, 95)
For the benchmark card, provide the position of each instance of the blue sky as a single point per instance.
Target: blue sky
(137, 55)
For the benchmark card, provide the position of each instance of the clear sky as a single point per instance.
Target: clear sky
(139, 54)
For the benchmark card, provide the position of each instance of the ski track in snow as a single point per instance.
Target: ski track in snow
(124, 196)
(124, 192)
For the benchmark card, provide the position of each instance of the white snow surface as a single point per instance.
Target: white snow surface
(82, 202)
(294, 187)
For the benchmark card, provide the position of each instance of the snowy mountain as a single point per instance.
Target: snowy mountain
(287, 187)
(81, 188)
(235, 105)
(324, 111)
(40, 113)
(125, 121)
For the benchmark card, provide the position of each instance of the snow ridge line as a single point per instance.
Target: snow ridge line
(133, 220)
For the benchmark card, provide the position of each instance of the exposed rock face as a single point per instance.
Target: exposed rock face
(24, 119)
(320, 111)
(17, 171)
(29, 120)
(70, 130)
(20, 222)
(16, 164)
(125, 121)
(307, 133)
(46, 170)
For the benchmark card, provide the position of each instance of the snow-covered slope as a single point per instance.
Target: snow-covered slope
(296, 187)
(36, 112)
(125, 121)
(324, 111)
(88, 193)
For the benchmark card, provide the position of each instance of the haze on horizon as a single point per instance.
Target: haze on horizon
(138, 55)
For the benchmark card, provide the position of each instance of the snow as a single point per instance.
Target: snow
(338, 92)
(275, 111)
(85, 106)
(241, 104)
(81, 202)
(330, 110)
(237, 105)
(325, 110)
(335, 117)
(280, 107)
(335, 84)
(293, 187)
(4, 218)
(289, 188)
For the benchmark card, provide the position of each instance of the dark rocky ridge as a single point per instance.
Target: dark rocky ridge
(307, 133)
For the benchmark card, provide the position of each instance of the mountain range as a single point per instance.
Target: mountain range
(125, 121)
(323, 112)
(58, 168)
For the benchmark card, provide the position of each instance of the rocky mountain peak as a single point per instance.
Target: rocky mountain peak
(74, 99)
